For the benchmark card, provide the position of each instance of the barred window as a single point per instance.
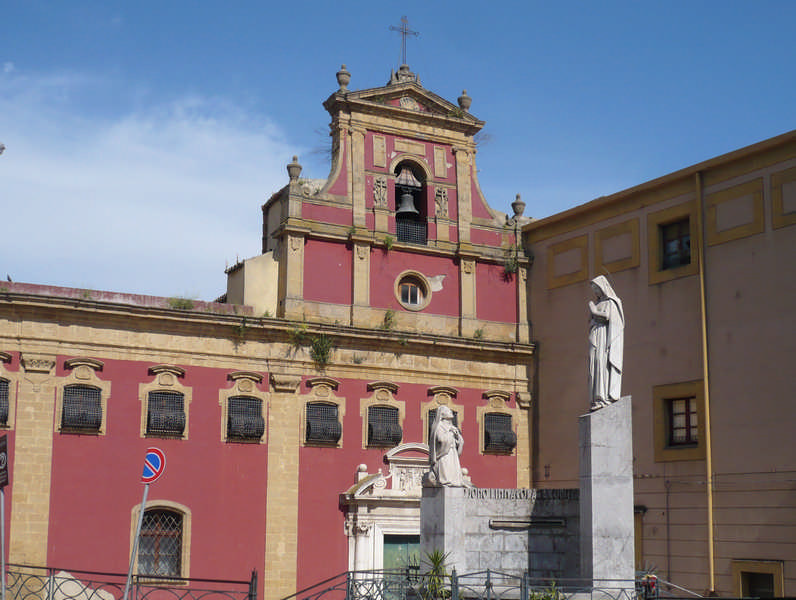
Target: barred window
(165, 414)
(3, 401)
(245, 418)
(384, 427)
(498, 434)
(432, 416)
(323, 423)
(411, 229)
(82, 409)
(160, 544)
(683, 422)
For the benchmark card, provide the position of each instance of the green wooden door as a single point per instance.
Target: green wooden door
(401, 551)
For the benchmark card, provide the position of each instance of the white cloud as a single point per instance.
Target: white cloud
(8, 67)
(148, 201)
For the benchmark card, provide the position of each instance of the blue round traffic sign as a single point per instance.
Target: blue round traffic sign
(154, 465)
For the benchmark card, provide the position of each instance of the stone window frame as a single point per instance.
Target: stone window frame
(322, 389)
(630, 227)
(166, 380)
(715, 199)
(383, 395)
(83, 371)
(580, 242)
(497, 401)
(768, 567)
(661, 396)
(13, 378)
(423, 283)
(185, 551)
(779, 218)
(244, 383)
(441, 395)
(656, 220)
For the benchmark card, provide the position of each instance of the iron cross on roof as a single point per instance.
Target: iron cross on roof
(404, 31)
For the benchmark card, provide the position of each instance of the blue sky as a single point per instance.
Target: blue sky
(142, 138)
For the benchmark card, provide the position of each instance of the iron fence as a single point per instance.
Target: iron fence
(410, 584)
(25, 582)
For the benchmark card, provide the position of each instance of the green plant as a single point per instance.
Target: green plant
(434, 579)
(321, 350)
(85, 294)
(180, 303)
(478, 334)
(267, 314)
(550, 593)
(298, 335)
(352, 230)
(240, 331)
(358, 359)
(457, 112)
(388, 242)
(389, 321)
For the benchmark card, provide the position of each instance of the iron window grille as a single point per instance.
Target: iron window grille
(82, 409)
(165, 414)
(411, 229)
(683, 422)
(3, 401)
(676, 244)
(384, 428)
(160, 544)
(432, 416)
(245, 418)
(498, 434)
(323, 424)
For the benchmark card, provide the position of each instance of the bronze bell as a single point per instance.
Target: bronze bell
(407, 204)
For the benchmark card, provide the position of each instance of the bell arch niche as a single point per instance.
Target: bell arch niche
(411, 202)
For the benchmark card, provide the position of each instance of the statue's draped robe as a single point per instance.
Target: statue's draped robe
(444, 451)
(606, 348)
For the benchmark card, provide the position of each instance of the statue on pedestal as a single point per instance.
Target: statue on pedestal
(444, 448)
(606, 344)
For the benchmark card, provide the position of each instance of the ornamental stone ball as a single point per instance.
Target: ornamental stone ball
(606, 344)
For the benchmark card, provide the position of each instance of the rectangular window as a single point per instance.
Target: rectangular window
(757, 585)
(384, 427)
(683, 422)
(323, 424)
(245, 418)
(82, 409)
(498, 434)
(165, 414)
(675, 244)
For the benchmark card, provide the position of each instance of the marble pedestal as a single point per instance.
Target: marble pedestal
(606, 496)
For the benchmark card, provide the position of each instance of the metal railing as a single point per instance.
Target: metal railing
(410, 584)
(25, 582)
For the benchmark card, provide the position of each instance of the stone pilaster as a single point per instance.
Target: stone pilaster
(281, 505)
(523, 440)
(467, 319)
(361, 273)
(358, 175)
(464, 192)
(291, 275)
(523, 332)
(33, 461)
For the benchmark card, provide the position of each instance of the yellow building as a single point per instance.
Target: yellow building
(703, 260)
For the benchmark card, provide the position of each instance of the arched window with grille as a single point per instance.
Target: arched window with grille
(245, 420)
(160, 545)
(499, 436)
(323, 423)
(410, 212)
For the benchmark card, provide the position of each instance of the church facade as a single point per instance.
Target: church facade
(295, 411)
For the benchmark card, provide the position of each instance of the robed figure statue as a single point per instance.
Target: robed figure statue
(606, 344)
(444, 448)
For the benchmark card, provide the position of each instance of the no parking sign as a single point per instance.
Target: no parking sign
(154, 465)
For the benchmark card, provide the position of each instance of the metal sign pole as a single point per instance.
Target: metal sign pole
(3, 543)
(135, 543)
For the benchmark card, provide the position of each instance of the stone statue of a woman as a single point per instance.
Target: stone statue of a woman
(444, 449)
(606, 344)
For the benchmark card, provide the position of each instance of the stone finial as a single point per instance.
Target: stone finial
(465, 101)
(518, 206)
(343, 78)
(294, 169)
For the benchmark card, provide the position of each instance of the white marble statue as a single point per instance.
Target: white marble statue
(444, 449)
(606, 344)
